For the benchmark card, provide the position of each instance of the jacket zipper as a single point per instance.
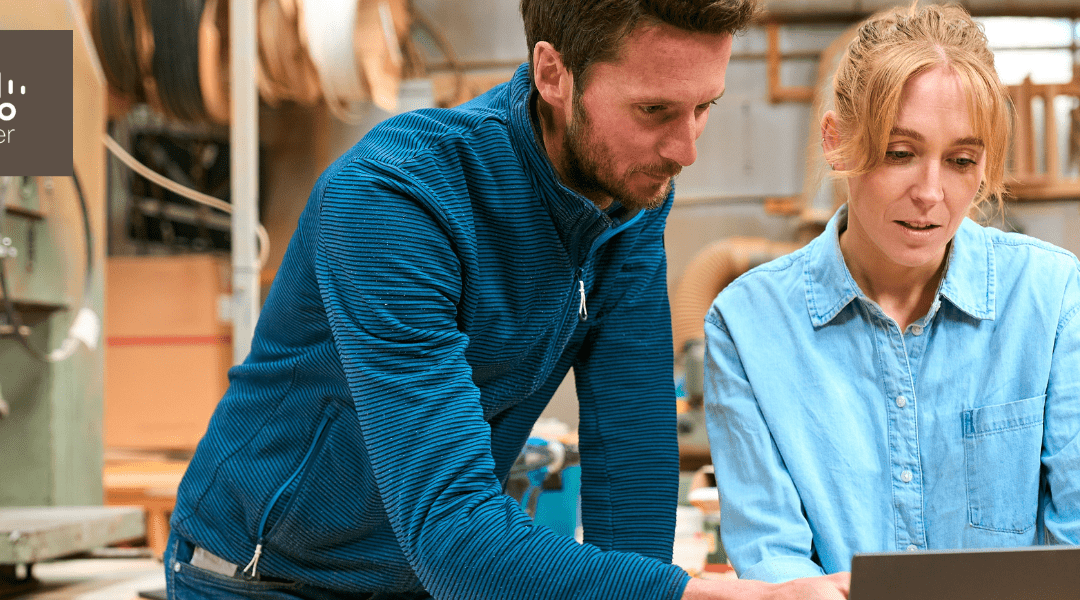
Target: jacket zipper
(582, 311)
(253, 565)
(579, 273)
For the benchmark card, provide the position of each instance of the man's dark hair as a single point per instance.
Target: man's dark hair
(586, 32)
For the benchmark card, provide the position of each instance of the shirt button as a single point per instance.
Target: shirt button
(901, 401)
(905, 476)
(912, 548)
(916, 329)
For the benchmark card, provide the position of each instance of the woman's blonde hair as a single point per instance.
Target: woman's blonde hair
(892, 47)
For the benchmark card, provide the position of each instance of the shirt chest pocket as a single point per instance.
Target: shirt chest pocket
(1002, 451)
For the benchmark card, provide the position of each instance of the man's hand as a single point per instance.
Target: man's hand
(829, 587)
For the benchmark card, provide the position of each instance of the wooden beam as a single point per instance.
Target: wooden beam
(777, 91)
(1040, 189)
(1050, 138)
(1023, 142)
(784, 206)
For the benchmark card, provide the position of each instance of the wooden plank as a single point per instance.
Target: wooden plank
(1040, 189)
(772, 53)
(1023, 141)
(1050, 139)
(33, 534)
(166, 295)
(784, 206)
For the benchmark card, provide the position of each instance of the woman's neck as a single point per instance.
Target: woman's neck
(904, 293)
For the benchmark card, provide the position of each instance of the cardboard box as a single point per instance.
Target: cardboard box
(167, 350)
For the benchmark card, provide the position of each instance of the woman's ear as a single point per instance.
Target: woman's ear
(830, 138)
(553, 80)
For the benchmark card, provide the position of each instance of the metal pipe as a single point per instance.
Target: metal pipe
(244, 173)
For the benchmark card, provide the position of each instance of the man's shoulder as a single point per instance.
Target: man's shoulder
(416, 134)
(423, 144)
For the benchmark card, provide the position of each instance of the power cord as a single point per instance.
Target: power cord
(195, 195)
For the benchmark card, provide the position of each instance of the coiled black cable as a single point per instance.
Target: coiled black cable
(113, 29)
(175, 24)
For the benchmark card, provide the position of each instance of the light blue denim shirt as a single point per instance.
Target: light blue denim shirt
(833, 432)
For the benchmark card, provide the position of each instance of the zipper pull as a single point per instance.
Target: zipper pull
(254, 564)
(582, 312)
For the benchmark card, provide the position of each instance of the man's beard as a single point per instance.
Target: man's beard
(589, 170)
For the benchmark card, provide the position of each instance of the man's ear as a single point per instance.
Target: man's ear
(830, 138)
(552, 78)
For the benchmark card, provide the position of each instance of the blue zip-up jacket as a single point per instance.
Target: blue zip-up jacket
(440, 284)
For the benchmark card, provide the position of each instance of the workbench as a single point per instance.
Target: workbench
(31, 535)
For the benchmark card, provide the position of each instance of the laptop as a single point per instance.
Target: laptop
(1035, 573)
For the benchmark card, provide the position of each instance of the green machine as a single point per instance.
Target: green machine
(52, 376)
(51, 366)
(52, 254)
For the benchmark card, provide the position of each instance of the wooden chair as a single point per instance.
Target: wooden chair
(1028, 179)
(150, 484)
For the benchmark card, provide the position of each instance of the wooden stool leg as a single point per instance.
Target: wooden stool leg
(157, 529)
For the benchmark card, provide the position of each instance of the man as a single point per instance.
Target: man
(446, 274)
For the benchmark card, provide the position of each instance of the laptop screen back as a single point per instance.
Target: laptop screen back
(1037, 573)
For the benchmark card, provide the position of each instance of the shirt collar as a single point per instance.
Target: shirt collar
(971, 278)
(968, 284)
(829, 285)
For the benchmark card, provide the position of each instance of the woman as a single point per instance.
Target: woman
(909, 379)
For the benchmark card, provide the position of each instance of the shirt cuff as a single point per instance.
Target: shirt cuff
(781, 569)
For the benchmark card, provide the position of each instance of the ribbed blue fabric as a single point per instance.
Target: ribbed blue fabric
(425, 312)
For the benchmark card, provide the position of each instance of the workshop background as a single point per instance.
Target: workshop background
(199, 129)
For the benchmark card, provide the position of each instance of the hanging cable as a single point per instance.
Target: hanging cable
(377, 47)
(144, 52)
(176, 188)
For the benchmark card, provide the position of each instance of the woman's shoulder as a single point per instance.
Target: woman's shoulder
(1024, 251)
(1045, 274)
(780, 270)
(764, 286)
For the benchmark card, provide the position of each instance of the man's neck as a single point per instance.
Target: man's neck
(548, 133)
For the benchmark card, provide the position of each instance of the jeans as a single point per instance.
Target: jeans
(186, 582)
